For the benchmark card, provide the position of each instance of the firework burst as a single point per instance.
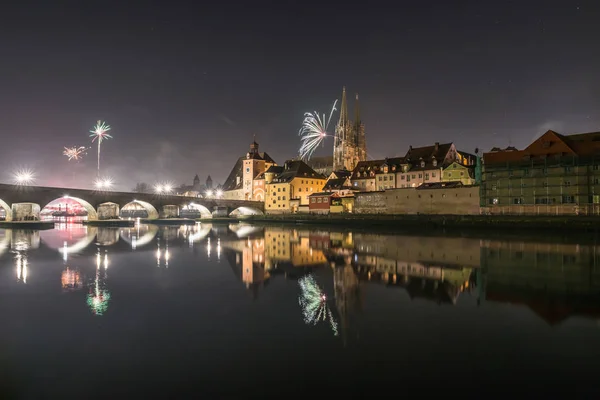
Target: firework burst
(314, 131)
(100, 132)
(75, 153)
(314, 304)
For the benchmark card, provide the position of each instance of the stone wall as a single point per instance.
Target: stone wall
(25, 212)
(170, 211)
(108, 211)
(442, 201)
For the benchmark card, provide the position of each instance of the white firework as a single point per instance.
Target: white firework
(313, 132)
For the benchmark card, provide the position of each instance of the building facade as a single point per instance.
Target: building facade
(556, 174)
(349, 146)
(432, 198)
(241, 182)
(288, 187)
(457, 172)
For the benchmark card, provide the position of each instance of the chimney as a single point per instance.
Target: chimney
(409, 148)
(437, 146)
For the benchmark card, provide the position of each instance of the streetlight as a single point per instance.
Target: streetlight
(158, 188)
(209, 193)
(219, 193)
(24, 177)
(103, 183)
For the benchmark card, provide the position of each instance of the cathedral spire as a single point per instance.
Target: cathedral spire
(357, 112)
(343, 109)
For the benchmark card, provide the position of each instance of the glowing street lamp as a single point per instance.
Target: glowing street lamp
(218, 194)
(209, 193)
(163, 188)
(24, 177)
(103, 184)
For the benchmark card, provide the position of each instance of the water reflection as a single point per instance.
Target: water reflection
(340, 299)
(98, 295)
(555, 280)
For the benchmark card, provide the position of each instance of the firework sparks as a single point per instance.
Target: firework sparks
(100, 132)
(75, 153)
(313, 132)
(314, 304)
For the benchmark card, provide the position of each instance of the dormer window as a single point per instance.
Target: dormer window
(435, 163)
(422, 164)
(393, 167)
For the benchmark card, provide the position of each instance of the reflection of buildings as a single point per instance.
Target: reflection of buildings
(555, 280)
(280, 250)
(71, 279)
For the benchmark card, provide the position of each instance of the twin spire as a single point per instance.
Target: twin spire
(344, 110)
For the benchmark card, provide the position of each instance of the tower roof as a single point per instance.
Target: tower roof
(343, 109)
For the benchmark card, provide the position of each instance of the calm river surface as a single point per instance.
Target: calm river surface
(240, 311)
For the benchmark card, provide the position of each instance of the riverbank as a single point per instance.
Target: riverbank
(35, 225)
(421, 221)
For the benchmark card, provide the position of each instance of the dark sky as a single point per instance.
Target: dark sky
(185, 85)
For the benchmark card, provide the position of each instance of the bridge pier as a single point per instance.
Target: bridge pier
(108, 211)
(25, 212)
(169, 211)
(21, 240)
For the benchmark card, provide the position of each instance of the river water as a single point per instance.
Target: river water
(241, 311)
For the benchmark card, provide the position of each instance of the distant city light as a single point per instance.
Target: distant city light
(24, 177)
(103, 183)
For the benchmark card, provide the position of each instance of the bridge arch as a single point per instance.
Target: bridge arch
(91, 211)
(7, 210)
(245, 211)
(204, 211)
(135, 205)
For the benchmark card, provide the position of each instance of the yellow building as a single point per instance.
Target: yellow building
(288, 187)
(456, 172)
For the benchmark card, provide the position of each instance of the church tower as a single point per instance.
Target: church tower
(349, 146)
(252, 165)
(209, 182)
(359, 129)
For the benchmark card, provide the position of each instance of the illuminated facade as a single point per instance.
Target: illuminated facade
(241, 183)
(349, 146)
(288, 187)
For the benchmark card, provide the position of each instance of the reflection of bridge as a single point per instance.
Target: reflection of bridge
(25, 202)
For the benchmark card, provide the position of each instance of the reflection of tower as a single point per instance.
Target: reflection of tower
(98, 296)
(347, 297)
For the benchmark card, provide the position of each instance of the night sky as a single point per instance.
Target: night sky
(185, 85)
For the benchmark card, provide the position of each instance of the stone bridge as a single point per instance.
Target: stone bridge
(26, 202)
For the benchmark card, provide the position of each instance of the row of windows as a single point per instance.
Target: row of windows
(319, 200)
(567, 199)
(544, 170)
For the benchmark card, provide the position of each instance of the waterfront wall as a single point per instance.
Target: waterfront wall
(439, 201)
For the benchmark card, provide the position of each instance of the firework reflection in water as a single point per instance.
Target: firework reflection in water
(313, 301)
